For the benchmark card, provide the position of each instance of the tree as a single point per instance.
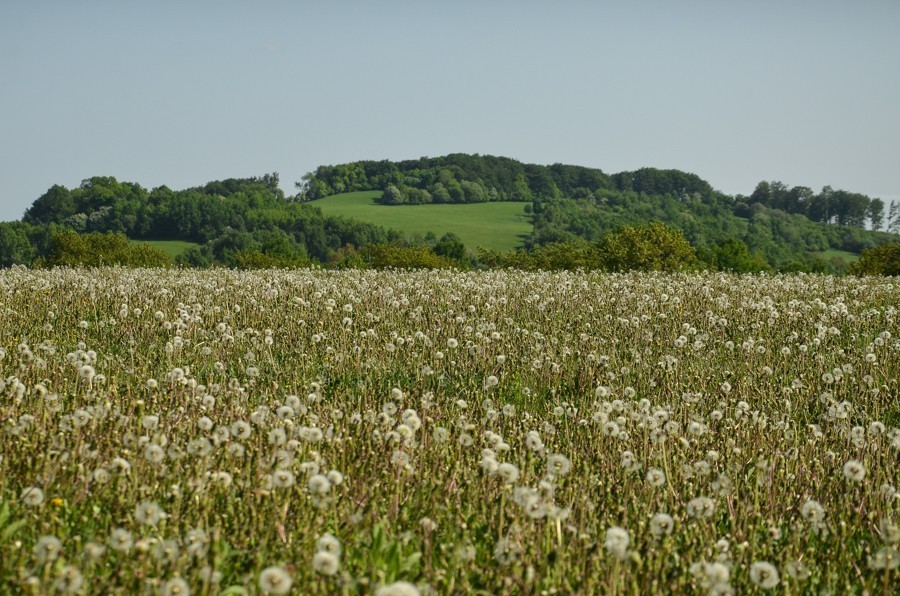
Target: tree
(71, 249)
(820, 208)
(880, 260)
(876, 214)
(797, 199)
(15, 247)
(257, 259)
(732, 254)
(455, 190)
(651, 248)
(311, 188)
(473, 192)
(541, 182)
(54, 206)
(849, 208)
(196, 256)
(520, 190)
(450, 246)
(392, 196)
(439, 193)
(893, 220)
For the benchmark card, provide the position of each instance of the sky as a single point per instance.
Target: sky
(184, 92)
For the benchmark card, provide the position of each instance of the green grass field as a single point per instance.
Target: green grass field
(173, 248)
(830, 254)
(500, 226)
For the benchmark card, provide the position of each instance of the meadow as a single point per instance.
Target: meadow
(499, 226)
(418, 432)
(173, 248)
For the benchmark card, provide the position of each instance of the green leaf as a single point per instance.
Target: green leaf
(411, 562)
(393, 560)
(10, 530)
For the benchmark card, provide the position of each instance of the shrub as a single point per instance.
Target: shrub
(380, 256)
(651, 248)
(880, 260)
(70, 249)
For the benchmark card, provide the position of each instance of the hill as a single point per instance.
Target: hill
(786, 228)
(499, 226)
(451, 205)
(223, 222)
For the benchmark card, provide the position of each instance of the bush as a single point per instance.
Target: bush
(70, 249)
(733, 255)
(380, 256)
(880, 260)
(199, 257)
(651, 248)
(256, 259)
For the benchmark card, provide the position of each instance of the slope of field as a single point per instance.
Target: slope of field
(173, 248)
(832, 253)
(501, 226)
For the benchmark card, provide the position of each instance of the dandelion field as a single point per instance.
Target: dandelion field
(323, 432)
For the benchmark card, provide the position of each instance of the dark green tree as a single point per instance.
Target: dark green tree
(880, 260)
(54, 206)
(876, 214)
(392, 196)
(733, 255)
(15, 246)
(450, 246)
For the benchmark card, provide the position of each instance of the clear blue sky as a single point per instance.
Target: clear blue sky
(181, 93)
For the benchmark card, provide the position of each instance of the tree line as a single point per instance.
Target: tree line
(828, 206)
(249, 222)
(780, 226)
(782, 240)
(228, 219)
(463, 178)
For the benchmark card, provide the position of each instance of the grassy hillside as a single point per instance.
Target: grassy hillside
(843, 254)
(173, 248)
(496, 225)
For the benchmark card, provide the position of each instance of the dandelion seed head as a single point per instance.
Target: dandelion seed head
(69, 581)
(764, 575)
(701, 507)
(120, 540)
(661, 525)
(175, 587)
(656, 477)
(275, 580)
(854, 471)
(325, 563)
(47, 548)
(399, 588)
(886, 558)
(32, 496)
(616, 542)
(149, 513)
(319, 485)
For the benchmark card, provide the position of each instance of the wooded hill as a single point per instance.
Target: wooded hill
(225, 219)
(250, 221)
(782, 227)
